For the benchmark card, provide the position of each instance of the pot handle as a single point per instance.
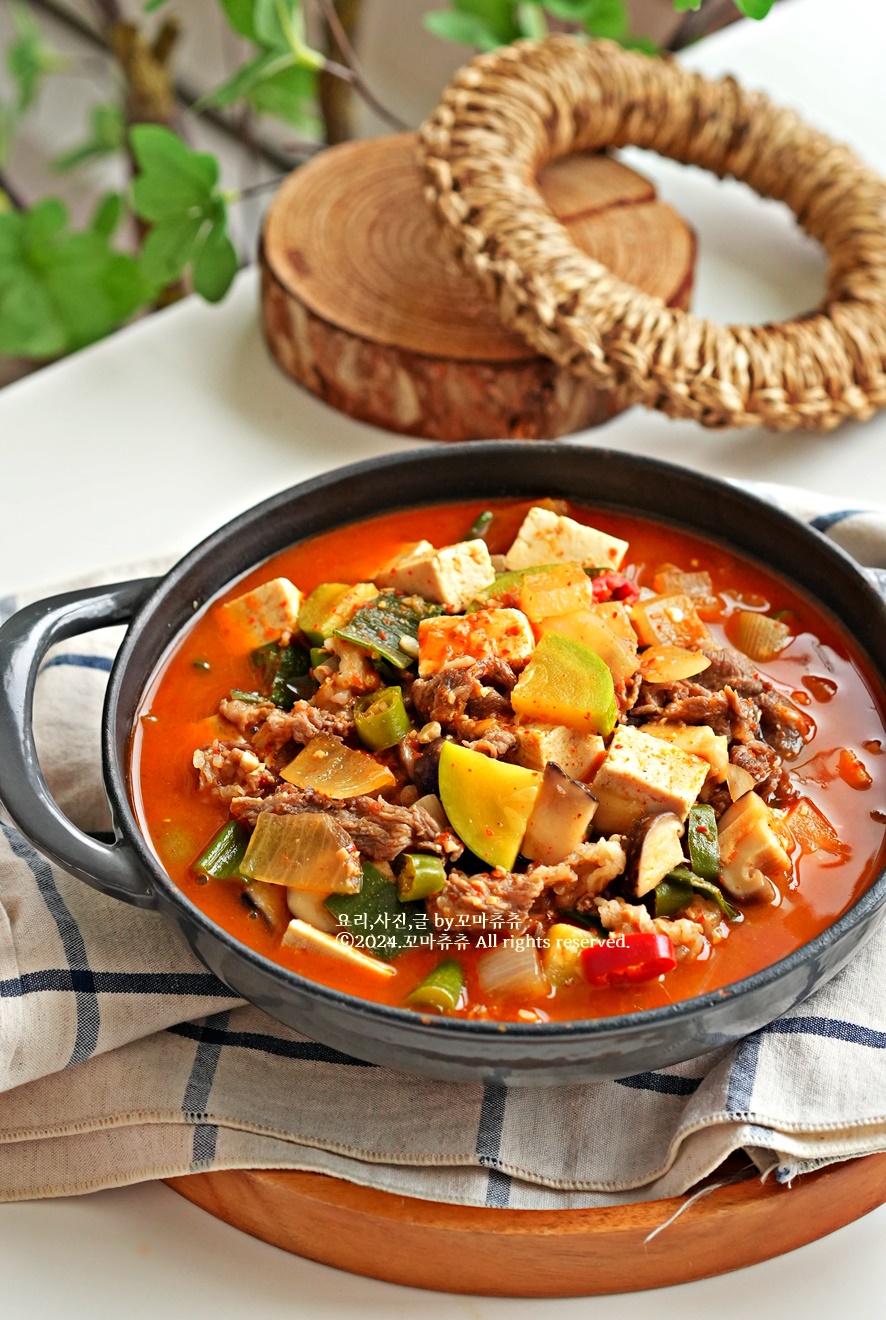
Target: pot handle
(24, 640)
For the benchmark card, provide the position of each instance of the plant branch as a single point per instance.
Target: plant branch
(350, 71)
(15, 197)
(186, 95)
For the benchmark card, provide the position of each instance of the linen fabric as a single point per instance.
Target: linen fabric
(123, 1059)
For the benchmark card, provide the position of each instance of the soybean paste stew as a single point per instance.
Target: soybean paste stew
(527, 762)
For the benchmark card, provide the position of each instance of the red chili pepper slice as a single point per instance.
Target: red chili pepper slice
(628, 958)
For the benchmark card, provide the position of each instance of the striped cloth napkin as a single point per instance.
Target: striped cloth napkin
(122, 1059)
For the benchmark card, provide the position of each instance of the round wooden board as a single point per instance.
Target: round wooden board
(364, 305)
(536, 1253)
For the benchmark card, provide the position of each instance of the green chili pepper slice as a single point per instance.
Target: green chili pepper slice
(420, 876)
(704, 842)
(672, 896)
(481, 525)
(222, 858)
(381, 718)
(707, 889)
(440, 989)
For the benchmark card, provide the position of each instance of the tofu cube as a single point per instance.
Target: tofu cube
(642, 775)
(451, 576)
(550, 538)
(264, 614)
(504, 633)
(413, 550)
(697, 740)
(576, 753)
(669, 621)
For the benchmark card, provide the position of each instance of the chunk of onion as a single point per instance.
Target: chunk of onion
(326, 765)
(760, 637)
(512, 968)
(813, 831)
(668, 664)
(434, 807)
(304, 851)
(698, 585)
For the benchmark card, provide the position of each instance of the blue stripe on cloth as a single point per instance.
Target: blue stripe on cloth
(742, 1076)
(102, 662)
(88, 1014)
(663, 1083)
(308, 1050)
(488, 1144)
(825, 521)
(831, 1028)
(63, 979)
(196, 1098)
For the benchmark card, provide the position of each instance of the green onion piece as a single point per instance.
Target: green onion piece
(441, 988)
(420, 876)
(254, 698)
(222, 858)
(202, 664)
(378, 920)
(266, 659)
(292, 680)
(704, 842)
(381, 718)
(319, 656)
(379, 626)
(481, 526)
(672, 896)
(707, 889)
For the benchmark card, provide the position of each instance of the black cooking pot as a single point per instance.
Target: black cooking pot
(159, 608)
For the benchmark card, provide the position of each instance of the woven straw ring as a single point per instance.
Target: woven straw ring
(509, 112)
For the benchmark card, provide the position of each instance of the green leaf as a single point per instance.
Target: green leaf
(59, 289)
(606, 18)
(241, 16)
(247, 77)
(173, 178)
(169, 248)
(216, 264)
(107, 215)
(755, 8)
(643, 45)
(107, 135)
(572, 11)
(44, 221)
(152, 6)
(682, 5)
(269, 27)
(29, 58)
(463, 29)
(531, 21)
(290, 95)
(176, 191)
(498, 15)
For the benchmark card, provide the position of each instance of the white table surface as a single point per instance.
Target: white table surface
(145, 443)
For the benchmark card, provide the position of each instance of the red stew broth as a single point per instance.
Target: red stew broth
(834, 691)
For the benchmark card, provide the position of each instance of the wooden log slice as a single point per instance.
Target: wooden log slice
(363, 304)
(537, 1253)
